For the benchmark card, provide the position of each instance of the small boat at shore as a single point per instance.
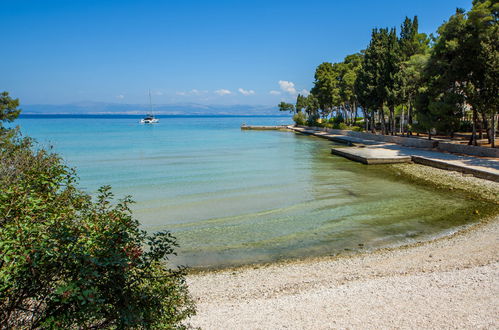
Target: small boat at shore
(149, 118)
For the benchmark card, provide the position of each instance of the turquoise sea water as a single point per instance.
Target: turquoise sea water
(235, 197)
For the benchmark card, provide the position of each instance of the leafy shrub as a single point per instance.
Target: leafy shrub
(357, 128)
(340, 126)
(67, 261)
(300, 118)
(465, 126)
(320, 123)
(312, 120)
(337, 120)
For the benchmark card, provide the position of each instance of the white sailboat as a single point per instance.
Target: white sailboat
(149, 118)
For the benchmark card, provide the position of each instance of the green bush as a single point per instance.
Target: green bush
(320, 123)
(340, 126)
(465, 126)
(68, 261)
(336, 121)
(300, 118)
(312, 120)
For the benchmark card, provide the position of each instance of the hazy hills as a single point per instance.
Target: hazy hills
(164, 109)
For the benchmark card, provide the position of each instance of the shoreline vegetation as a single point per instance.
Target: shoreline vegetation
(448, 281)
(70, 260)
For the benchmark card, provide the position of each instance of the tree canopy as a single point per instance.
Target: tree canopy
(283, 106)
(9, 110)
(411, 81)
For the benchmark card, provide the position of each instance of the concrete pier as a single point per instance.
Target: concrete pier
(371, 156)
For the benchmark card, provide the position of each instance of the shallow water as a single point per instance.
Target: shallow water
(235, 197)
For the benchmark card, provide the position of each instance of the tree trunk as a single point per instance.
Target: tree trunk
(402, 131)
(480, 128)
(366, 119)
(392, 120)
(382, 119)
(373, 123)
(409, 118)
(355, 111)
(493, 131)
(473, 133)
(485, 124)
(346, 115)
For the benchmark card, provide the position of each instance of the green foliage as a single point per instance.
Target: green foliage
(326, 88)
(465, 126)
(9, 110)
(441, 112)
(463, 69)
(357, 128)
(432, 79)
(334, 85)
(376, 84)
(301, 103)
(350, 69)
(312, 108)
(411, 41)
(364, 86)
(481, 66)
(341, 126)
(410, 77)
(337, 120)
(67, 261)
(300, 118)
(283, 106)
(312, 120)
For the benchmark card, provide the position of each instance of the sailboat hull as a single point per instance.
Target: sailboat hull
(149, 121)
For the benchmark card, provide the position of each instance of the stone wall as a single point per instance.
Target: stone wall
(452, 167)
(468, 150)
(405, 141)
(416, 142)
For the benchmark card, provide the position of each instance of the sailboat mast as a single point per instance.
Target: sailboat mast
(150, 102)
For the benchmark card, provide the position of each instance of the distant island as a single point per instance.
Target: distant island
(95, 108)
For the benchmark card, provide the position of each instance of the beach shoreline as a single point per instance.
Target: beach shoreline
(451, 281)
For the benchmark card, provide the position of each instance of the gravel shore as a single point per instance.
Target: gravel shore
(451, 282)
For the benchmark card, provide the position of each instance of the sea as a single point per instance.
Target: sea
(234, 197)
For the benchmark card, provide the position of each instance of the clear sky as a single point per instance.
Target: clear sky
(208, 52)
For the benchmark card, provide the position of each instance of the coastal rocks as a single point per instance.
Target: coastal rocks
(451, 180)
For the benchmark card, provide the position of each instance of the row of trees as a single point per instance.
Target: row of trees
(409, 80)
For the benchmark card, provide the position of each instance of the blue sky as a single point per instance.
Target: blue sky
(208, 52)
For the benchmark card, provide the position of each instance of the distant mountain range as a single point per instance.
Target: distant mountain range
(163, 109)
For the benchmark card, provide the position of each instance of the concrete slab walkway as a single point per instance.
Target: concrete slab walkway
(372, 156)
(377, 152)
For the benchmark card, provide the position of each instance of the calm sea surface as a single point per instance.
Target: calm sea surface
(235, 197)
